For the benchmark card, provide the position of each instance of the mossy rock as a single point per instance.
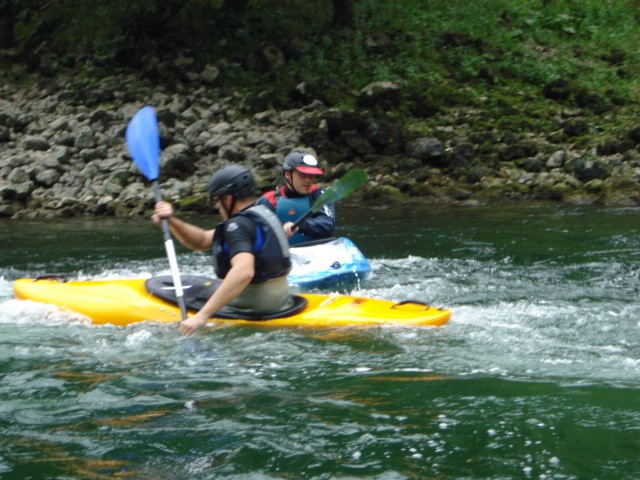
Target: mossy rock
(549, 192)
(587, 168)
(384, 193)
(618, 198)
(622, 183)
(489, 195)
(582, 198)
(197, 202)
(595, 185)
(421, 189)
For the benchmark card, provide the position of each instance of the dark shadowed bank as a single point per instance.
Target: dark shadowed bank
(537, 103)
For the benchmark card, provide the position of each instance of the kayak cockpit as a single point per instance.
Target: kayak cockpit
(197, 290)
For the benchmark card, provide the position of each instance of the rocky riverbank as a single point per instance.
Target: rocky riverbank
(63, 151)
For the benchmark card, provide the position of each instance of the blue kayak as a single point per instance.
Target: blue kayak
(332, 263)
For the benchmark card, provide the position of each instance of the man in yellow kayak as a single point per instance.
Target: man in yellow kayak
(249, 247)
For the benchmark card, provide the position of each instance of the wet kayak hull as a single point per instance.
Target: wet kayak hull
(123, 302)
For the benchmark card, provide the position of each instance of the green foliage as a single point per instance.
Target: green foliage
(513, 46)
(444, 53)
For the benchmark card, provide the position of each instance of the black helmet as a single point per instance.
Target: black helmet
(235, 179)
(303, 162)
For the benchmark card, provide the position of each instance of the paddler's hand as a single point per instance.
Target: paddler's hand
(191, 325)
(161, 210)
(289, 231)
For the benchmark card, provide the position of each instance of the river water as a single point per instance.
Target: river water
(535, 376)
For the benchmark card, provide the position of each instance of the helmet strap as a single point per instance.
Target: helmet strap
(229, 210)
(288, 181)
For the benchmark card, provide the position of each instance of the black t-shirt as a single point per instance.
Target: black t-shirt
(240, 235)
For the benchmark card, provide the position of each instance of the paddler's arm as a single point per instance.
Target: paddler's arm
(239, 276)
(191, 236)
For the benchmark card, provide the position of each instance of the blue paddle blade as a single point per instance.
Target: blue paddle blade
(143, 140)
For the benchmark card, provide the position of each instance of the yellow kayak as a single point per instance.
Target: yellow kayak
(123, 302)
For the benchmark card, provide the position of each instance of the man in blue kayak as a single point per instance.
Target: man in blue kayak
(250, 250)
(292, 200)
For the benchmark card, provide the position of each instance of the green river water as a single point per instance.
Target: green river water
(536, 376)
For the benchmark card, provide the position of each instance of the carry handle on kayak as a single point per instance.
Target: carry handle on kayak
(51, 276)
(419, 303)
(412, 302)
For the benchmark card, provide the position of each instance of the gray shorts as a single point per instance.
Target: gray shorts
(269, 296)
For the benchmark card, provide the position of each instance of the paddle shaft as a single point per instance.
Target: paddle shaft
(171, 255)
(297, 223)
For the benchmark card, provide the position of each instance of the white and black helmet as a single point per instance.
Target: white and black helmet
(302, 161)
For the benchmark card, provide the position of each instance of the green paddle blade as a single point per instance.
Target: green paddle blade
(341, 188)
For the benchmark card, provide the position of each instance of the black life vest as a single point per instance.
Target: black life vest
(271, 249)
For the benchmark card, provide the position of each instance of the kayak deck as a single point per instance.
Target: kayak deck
(123, 302)
(330, 263)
